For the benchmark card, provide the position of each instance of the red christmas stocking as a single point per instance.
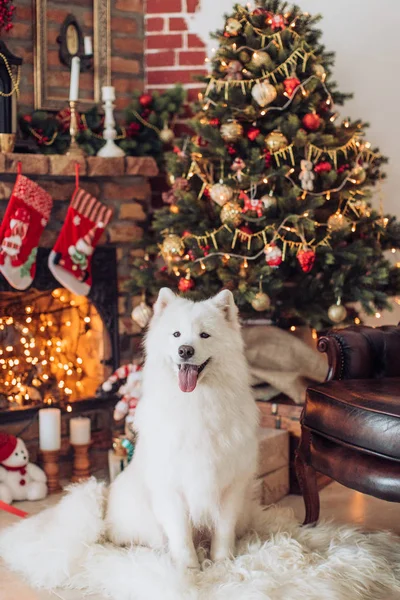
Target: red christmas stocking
(27, 214)
(70, 260)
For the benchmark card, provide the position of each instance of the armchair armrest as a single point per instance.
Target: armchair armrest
(362, 352)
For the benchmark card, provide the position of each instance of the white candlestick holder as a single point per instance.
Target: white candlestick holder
(110, 149)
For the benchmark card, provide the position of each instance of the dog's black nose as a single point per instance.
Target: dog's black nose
(186, 352)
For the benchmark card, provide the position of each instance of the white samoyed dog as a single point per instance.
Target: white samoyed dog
(196, 456)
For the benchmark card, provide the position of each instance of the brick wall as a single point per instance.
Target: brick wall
(127, 45)
(173, 54)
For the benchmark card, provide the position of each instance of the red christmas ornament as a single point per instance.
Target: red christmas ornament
(145, 100)
(306, 258)
(312, 121)
(268, 158)
(343, 168)
(214, 122)
(133, 129)
(191, 255)
(232, 150)
(291, 84)
(253, 133)
(186, 284)
(257, 12)
(245, 229)
(206, 249)
(323, 167)
(28, 118)
(273, 255)
(186, 234)
(276, 22)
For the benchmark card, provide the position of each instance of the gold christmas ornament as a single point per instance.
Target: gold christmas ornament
(275, 141)
(264, 93)
(142, 314)
(166, 135)
(233, 26)
(231, 213)
(172, 246)
(259, 59)
(358, 175)
(338, 222)
(221, 193)
(337, 313)
(269, 201)
(261, 302)
(319, 71)
(231, 132)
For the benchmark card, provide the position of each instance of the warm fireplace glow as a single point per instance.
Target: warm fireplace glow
(51, 348)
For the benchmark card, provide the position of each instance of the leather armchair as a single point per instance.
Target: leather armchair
(351, 423)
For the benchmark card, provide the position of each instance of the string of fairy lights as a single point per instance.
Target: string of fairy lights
(39, 362)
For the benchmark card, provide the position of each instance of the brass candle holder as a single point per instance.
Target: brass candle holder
(52, 470)
(74, 149)
(81, 468)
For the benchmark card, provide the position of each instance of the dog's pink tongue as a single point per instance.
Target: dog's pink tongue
(188, 378)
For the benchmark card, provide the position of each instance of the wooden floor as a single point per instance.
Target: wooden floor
(337, 503)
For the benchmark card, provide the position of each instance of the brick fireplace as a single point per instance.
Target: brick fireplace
(124, 185)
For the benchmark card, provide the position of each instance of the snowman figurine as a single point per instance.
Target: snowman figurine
(19, 479)
(306, 175)
(14, 237)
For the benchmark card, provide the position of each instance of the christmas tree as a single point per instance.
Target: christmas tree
(271, 197)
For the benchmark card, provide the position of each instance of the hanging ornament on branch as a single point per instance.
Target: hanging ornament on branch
(306, 175)
(337, 312)
(231, 131)
(234, 71)
(338, 222)
(251, 204)
(231, 213)
(269, 201)
(232, 27)
(306, 258)
(237, 166)
(264, 93)
(186, 284)
(275, 141)
(167, 136)
(276, 22)
(312, 121)
(142, 314)
(253, 133)
(323, 167)
(261, 300)
(358, 175)
(221, 193)
(259, 59)
(172, 247)
(273, 255)
(291, 84)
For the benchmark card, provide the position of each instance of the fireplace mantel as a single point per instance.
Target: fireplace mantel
(57, 165)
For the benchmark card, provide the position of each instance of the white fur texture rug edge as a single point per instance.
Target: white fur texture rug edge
(62, 547)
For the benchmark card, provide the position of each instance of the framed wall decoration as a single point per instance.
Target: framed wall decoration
(55, 44)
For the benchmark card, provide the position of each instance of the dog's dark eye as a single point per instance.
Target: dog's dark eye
(204, 335)
(177, 334)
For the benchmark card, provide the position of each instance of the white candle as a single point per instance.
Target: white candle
(50, 429)
(108, 93)
(74, 82)
(79, 432)
(87, 42)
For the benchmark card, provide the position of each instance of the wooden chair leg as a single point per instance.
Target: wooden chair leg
(307, 478)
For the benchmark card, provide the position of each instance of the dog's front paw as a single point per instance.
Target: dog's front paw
(221, 553)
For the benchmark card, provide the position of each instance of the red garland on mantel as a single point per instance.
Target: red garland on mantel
(6, 15)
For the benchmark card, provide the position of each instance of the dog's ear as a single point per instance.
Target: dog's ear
(165, 296)
(226, 302)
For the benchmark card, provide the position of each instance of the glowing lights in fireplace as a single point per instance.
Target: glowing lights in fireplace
(38, 363)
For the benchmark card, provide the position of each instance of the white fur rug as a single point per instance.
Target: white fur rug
(62, 548)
